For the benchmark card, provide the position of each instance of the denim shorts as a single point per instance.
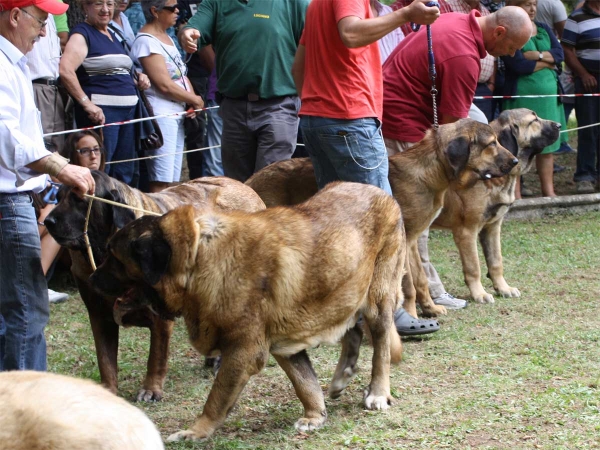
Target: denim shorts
(346, 150)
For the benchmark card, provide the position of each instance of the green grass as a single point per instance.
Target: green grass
(521, 373)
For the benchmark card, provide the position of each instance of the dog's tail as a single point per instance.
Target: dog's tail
(395, 346)
(395, 342)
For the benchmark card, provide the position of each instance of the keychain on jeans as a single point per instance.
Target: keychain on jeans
(50, 196)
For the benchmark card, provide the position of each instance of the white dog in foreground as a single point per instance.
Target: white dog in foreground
(46, 411)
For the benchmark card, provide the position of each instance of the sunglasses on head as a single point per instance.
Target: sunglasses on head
(171, 9)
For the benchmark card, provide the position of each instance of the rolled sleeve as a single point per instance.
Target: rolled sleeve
(204, 21)
(555, 48)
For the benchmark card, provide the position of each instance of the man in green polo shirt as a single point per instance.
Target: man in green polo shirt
(255, 43)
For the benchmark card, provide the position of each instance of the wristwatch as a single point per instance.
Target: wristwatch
(541, 56)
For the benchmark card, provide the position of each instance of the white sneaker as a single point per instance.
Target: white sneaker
(449, 301)
(56, 297)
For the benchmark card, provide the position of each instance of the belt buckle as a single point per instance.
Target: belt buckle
(253, 97)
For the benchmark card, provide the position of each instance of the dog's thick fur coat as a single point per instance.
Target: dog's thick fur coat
(456, 155)
(66, 223)
(278, 281)
(43, 411)
(480, 210)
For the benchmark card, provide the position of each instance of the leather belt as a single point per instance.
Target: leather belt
(253, 97)
(248, 97)
(46, 81)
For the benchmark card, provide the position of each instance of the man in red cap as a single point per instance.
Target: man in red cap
(24, 168)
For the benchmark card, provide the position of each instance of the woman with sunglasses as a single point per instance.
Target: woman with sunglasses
(170, 91)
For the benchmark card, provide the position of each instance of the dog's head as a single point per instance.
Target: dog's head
(523, 133)
(140, 266)
(66, 221)
(472, 152)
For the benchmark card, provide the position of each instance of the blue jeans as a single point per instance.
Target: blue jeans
(24, 309)
(346, 150)
(588, 139)
(212, 165)
(119, 140)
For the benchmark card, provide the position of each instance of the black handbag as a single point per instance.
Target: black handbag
(148, 131)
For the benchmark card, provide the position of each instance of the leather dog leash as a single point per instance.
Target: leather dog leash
(432, 74)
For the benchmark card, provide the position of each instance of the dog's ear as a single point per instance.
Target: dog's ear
(457, 153)
(504, 117)
(153, 256)
(121, 216)
(508, 139)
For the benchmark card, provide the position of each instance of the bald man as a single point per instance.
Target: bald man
(460, 41)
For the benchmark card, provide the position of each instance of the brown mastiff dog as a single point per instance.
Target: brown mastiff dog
(480, 210)
(66, 223)
(457, 155)
(278, 281)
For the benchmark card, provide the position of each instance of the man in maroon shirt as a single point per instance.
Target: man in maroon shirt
(460, 41)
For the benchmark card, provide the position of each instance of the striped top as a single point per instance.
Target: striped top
(582, 31)
(106, 68)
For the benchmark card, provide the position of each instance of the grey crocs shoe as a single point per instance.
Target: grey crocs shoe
(407, 325)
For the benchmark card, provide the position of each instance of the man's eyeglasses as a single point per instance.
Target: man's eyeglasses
(42, 23)
(87, 151)
(171, 9)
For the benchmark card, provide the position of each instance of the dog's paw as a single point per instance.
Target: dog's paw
(509, 292)
(433, 310)
(149, 395)
(377, 402)
(305, 424)
(483, 298)
(187, 435)
(339, 384)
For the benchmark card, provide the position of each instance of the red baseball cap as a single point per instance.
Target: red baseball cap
(50, 6)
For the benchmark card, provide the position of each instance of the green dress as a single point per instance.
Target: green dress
(542, 82)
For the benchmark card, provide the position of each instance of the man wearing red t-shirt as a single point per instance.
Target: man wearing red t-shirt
(337, 70)
(460, 41)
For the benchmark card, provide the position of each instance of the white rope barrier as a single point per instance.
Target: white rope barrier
(124, 122)
(481, 97)
(298, 144)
